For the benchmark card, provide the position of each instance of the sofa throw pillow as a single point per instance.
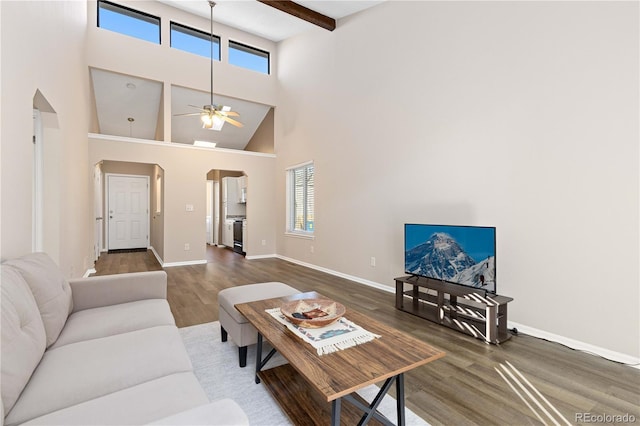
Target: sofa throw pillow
(23, 336)
(50, 289)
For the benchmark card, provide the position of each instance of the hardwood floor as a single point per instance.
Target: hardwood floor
(463, 388)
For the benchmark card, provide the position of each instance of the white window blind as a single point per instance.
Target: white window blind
(301, 199)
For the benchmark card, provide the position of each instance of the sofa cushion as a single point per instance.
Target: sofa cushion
(114, 319)
(78, 372)
(138, 404)
(103, 290)
(223, 412)
(50, 289)
(23, 336)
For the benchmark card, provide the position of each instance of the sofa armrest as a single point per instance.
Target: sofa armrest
(223, 412)
(105, 290)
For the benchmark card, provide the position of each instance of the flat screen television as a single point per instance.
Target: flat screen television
(463, 255)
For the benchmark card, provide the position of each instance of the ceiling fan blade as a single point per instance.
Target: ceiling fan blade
(197, 107)
(231, 120)
(187, 114)
(229, 113)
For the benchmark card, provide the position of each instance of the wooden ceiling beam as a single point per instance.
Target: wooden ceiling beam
(303, 13)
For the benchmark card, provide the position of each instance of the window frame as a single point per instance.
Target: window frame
(251, 50)
(132, 13)
(206, 36)
(291, 208)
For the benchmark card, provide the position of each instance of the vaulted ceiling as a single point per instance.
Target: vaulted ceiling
(258, 18)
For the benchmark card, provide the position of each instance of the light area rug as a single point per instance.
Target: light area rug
(215, 365)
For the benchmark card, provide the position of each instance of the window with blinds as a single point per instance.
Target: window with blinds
(301, 200)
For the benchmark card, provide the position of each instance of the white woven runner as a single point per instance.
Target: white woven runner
(339, 335)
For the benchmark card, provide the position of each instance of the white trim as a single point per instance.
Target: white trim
(300, 234)
(261, 256)
(38, 183)
(158, 258)
(185, 263)
(297, 166)
(576, 344)
(177, 145)
(89, 272)
(629, 360)
(373, 284)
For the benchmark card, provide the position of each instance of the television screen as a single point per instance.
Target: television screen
(464, 255)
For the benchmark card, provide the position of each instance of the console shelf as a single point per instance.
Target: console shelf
(467, 310)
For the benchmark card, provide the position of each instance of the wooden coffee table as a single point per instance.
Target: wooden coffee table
(311, 388)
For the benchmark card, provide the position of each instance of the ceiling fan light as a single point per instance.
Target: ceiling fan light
(207, 121)
(214, 116)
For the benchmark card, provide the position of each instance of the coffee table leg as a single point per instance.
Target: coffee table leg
(335, 411)
(400, 398)
(258, 357)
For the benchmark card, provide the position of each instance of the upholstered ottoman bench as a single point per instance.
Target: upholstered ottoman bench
(233, 324)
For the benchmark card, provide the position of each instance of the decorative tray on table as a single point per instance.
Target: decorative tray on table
(312, 313)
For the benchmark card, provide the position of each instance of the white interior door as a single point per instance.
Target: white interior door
(128, 208)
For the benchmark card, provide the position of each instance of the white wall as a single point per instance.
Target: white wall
(43, 48)
(519, 115)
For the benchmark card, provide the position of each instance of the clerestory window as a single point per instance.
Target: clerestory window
(248, 57)
(127, 21)
(194, 41)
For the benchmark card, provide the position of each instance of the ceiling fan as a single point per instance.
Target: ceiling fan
(214, 116)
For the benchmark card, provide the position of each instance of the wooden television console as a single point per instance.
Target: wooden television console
(465, 309)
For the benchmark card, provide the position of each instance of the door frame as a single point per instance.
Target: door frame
(106, 205)
(209, 207)
(98, 210)
(216, 212)
(37, 219)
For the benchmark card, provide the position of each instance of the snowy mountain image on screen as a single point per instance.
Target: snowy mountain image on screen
(442, 257)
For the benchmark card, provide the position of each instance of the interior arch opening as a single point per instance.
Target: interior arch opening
(226, 214)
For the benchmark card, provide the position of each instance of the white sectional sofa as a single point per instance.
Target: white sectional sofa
(100, 350)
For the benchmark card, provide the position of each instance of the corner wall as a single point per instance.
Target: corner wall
(38, 55)
(519, 115)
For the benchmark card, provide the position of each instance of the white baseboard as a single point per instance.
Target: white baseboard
(340, 274)
(571, 343)
(89, 272)
(260, 256)
(185, 263)
(158, 258)
(170, 264)
(577, 345)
